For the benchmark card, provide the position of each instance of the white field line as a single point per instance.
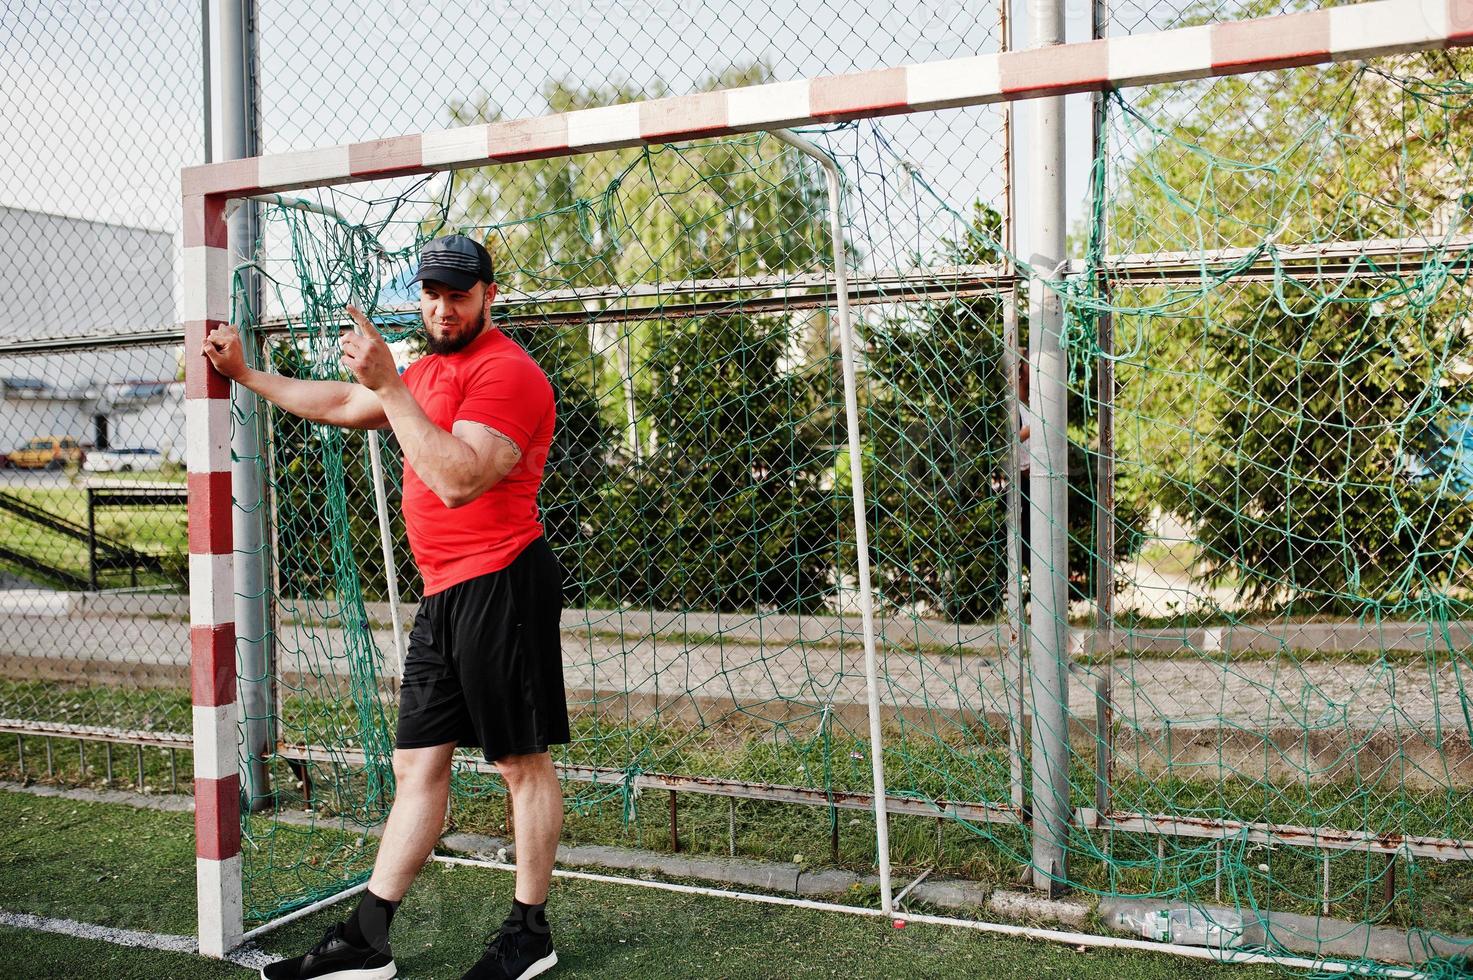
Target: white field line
(1026, 932)
(248, 957)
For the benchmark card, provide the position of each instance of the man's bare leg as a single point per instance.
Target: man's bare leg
(421, 790)
(537, 799)
(522, 947)
(359, 947)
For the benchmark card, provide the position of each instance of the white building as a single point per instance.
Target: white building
(63, 277)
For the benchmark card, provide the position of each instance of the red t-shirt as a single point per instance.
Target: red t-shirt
(494, 382)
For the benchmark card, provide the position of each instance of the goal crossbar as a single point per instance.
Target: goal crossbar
(1231, 48)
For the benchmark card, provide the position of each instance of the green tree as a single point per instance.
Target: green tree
(1277, 418)
(613, 225)
(326, 525)
(1305, 489)
(576, 470)
(937, 421)
(937, 415)
(728, 511)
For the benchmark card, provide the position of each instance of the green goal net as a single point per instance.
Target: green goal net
(1270, 497)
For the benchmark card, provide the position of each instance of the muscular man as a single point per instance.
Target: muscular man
(474, 419)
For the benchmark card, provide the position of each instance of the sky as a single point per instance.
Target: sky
(102, 101)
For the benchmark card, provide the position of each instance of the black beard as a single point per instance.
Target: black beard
(457, 344)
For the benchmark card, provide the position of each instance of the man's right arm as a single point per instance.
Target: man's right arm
(350, 406)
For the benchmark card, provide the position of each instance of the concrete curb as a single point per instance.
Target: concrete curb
(1315, 936)
(172, 802)
(784, 877)
(820, 630)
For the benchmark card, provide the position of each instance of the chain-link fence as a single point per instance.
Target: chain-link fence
(1266, 449)
(1280, 310)
(1287, 775)
(102, 105)
(93, 565)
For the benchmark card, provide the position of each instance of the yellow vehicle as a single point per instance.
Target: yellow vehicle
(46, 453)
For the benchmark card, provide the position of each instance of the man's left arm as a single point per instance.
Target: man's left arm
(458, 466)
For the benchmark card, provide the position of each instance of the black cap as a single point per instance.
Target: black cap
(457, 261)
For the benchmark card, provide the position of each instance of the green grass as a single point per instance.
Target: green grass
(134, 869)
(106, 864)
(52, 957)
(1289, 656)
(155, 529)
(1429, 894)
(1170, 557)
(949, 762)
(158, 709)
(160, 531)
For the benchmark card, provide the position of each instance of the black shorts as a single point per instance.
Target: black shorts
(485, 664)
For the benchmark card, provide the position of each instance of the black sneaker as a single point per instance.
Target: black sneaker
(514, 953)
(335, 959)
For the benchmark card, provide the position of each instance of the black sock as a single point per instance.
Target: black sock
(532, 917)
(369, 924)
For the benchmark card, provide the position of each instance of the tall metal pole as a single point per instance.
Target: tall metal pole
(1049, 482)
(207, 79)
(861, 530)
(1013, 666)
(234, 81)
(1105, 470)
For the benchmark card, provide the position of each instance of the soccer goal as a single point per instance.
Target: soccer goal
(788, 493)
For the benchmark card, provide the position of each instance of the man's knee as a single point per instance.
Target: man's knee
(521, 770)
(421, 770)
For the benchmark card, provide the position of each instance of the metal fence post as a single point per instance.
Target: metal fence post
(234, 85)
(1013, 685)
(1049, 483)
(1105, 471)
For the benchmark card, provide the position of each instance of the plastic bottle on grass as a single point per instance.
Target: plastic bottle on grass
(1183, 926)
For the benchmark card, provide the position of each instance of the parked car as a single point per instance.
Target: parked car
(46, 453)
(123, 460)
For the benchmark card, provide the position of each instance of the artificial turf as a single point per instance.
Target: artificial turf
(133, 868)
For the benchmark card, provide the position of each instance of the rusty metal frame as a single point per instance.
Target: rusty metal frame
(1087, 818)
(1369, 259)
(1314, 838)
(97, 733)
